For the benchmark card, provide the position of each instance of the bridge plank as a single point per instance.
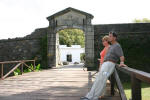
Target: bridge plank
(68, 83)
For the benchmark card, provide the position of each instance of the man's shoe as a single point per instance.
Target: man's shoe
(84, 98)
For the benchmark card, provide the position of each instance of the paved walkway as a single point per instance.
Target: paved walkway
(65, 83)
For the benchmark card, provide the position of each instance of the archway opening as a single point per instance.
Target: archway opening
(69, 46)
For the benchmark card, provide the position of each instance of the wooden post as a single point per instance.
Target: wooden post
(21, 68)
(2, 71)
(89, 80)
(112, 84)
(136, 88)
(119, 85)
(34, 64)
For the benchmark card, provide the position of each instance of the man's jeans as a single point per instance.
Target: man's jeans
(99, 85)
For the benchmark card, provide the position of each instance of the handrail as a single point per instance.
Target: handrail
(136, 77)
(20, 63)
(115, 78)
(143, 76)
(11, 71)
(7, 62)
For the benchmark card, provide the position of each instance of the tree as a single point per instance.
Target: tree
(144, 20)
(71, 37)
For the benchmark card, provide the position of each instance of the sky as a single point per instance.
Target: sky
(19, 18)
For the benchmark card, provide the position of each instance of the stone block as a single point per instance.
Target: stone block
(89, 43)
(90, 33)
(90, 37)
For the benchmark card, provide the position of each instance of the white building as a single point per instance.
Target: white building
(71, 54)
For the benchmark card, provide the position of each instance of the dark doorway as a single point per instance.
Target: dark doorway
(69, 58)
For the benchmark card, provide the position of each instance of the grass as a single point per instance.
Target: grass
(145, 90)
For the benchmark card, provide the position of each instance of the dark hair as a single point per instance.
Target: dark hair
(113, 33)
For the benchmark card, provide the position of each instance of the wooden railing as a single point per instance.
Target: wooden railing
(137, 77)
(20, 63)
(115, 79)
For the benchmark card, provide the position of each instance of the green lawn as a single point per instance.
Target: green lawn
(145, 90)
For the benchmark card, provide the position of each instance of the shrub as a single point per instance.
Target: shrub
(76, 62)
(65, 63)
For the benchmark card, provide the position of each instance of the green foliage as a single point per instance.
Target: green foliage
(44, 52)
(82, 56)
(17, 72)
(137, 53)
(71, 37)
(144, 20)
(29, 69)
(32, 67)
(38, 67)
(26, 71)
(44, 48)
(41, 56)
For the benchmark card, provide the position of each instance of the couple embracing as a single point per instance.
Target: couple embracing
(110, 55)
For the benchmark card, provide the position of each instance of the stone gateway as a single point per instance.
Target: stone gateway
(33, 47)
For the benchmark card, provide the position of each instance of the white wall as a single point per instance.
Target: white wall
(74, 50)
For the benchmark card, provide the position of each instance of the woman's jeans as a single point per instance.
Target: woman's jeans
(99, 84)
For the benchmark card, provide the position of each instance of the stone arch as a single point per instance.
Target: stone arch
(57, 39)
(68, 27)
(70, 18)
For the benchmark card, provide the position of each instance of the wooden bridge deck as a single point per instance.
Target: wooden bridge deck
(66, 83)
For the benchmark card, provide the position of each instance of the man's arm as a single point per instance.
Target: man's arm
(122, 62)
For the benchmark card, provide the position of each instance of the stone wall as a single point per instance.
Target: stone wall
(18, 49)
(24, 48)
(130, 36)
(21, 48)
(128, 27)
(134, 39)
